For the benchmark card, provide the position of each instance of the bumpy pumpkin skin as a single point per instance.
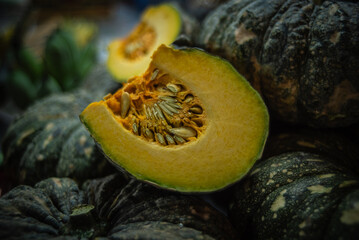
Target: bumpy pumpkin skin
(49, 140)
(135, 202)
(331, 143)
(123, 209)
(302, 57)
(39, 212)
(297, 196)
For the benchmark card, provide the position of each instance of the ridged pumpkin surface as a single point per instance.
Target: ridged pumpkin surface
(297, 196)
(114, 208)
(303, 58)
(49, 140)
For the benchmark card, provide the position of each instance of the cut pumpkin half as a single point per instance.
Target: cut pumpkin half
(190, 123)
(131, 55)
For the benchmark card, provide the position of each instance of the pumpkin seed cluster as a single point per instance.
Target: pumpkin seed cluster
(160, 108)
(139, 41)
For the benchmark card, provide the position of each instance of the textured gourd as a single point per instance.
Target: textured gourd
(49, 140)
(131, 55)
(302, 57)
(336, 144)
(297, 196)
(189, 123)
(109, 208)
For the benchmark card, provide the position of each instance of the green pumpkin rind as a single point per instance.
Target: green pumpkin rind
(161, 230)
(294, 196)
(49, 140)
(40, 211)
(142, 202)
(302, 57)
(46, 211)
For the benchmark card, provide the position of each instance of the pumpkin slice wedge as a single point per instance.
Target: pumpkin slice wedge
(131, 55)
(190, 123)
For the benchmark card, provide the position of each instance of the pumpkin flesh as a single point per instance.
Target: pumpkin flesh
(234, 127)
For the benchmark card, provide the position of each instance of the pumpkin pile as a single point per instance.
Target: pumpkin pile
(245, 127)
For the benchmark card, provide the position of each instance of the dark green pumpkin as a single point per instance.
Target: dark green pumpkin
(302, 57)
(49, 140)
(109, 208)
(336, 144)
(297, 196)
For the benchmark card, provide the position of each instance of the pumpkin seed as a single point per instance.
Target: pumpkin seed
(135, 128)
(169, 107)
(145, 110)
(196, 109)
(150, 114)
(173, 87)
(175, 105)
(161, 139)
(170, 140)
(168, 99)
(188, 98)
(164, 108)
(154, 74)
(184, 132)
(149, 133)
(159, 112)
(178, 139)
(125, 104)
(155, 114)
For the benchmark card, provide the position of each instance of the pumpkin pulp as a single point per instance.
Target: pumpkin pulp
(131, 55)
(189, 123)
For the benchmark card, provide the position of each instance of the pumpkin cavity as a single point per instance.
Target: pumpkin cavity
(158, 107)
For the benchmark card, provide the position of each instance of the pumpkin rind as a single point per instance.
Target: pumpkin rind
(302, 57)
(294, 196)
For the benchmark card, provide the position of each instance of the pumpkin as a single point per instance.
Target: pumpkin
(109, 208)
(336, 144)
(190, 123)
(297, 195)
(302, 57)
(49, 140)
(162, 24)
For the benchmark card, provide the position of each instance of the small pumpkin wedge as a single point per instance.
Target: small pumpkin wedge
(297, 195)
(301, 56)
(130, 56)
(190, 123)
(108, 208)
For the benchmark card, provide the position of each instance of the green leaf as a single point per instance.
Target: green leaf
(22, 89)
(30, 64)
(49, 86)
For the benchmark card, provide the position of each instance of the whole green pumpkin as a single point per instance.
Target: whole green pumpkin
(113, 207)
(49, 140)
(302, 57)
(297, 195)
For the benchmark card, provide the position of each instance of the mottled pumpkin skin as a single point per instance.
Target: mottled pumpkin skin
(303, 58)
(125, 209)
(133, 203)
(297, 196)
(49, 140)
